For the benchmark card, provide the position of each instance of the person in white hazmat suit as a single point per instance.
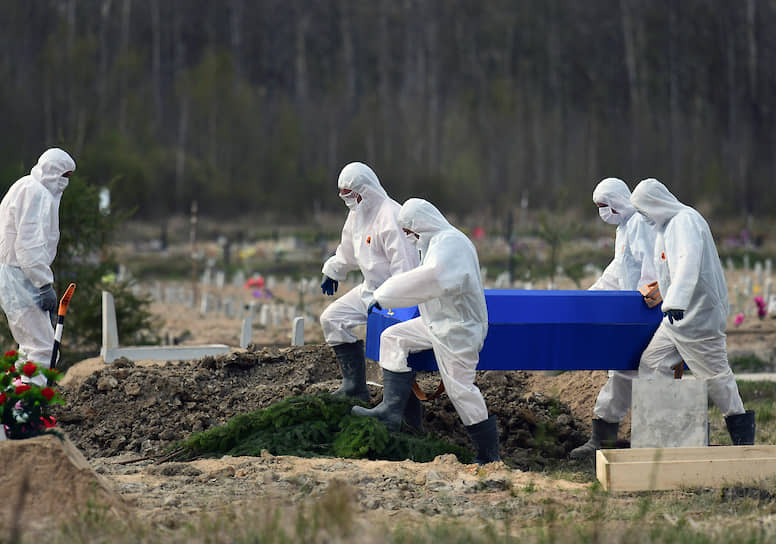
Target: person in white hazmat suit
(695, 304)
(631, 268)
(373, 243)
(453, 321)
(29, 234)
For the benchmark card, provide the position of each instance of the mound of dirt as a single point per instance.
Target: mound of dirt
(49, 479)
(126, 407)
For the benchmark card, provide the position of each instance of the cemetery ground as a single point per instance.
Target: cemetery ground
(123, 418)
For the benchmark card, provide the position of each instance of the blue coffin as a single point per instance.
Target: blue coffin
(547, 330)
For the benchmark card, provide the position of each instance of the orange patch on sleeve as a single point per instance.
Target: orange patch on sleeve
(368, 239)
(663, 256)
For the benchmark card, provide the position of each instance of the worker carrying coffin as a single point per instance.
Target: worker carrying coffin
(373, 243)
(453, 321)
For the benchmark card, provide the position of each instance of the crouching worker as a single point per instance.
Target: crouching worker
(695, 304)
(453, 322)
(372, 243)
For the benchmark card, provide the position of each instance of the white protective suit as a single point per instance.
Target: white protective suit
(691, 279)
(371, 242)
(631, 268)
(29, 234)
(453, 320)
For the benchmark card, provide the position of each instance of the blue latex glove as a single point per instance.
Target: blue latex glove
(329, 286)
(372, 306)
(47, 298)
(674, 315)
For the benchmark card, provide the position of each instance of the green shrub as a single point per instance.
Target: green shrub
(315, 426)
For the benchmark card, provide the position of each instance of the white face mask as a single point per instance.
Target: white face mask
(61, 184)
(609, 216)
(350, 199)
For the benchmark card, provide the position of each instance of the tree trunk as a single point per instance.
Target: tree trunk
(180, 156)
(126, 13)
(104, 60)
(236, 12)
(302, 26)
(156, 63)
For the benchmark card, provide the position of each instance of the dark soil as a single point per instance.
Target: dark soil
(125, 408)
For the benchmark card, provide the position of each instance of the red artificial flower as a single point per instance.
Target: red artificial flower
(3, 398)
(10, 353)
(22, 388)
(48, 393)
(29, 369)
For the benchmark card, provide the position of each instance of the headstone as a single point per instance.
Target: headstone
(297, 332)
(772, 305)
(746, 262)
(738, 305)
(667, 413)
(238, 280)
(276, 313)
(206, 305)
(272, 283)
(220, 279)
(189, 298)
(246, 333)
(502, 281)
(207, 277)
(264, 315)
(229, 307)
(758, 277)
(169, 295)
(768, 267)
(729, 265)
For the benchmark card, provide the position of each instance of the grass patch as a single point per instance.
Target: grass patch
(749, 363)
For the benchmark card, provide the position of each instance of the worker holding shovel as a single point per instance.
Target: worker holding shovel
(29, 235)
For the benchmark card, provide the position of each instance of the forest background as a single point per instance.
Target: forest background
(252, 107)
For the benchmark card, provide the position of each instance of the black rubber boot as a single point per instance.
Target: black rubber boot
(413, 414)
(604, 435)
(741, 428)
(397, 388)
(353, 365)
(485, 437)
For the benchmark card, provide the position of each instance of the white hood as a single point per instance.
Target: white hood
(51, 165)
(654, 200)
(614, 193)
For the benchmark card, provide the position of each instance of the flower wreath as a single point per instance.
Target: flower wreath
(24, 407)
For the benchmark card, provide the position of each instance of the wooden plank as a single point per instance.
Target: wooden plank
(679, 454)
(672, 468)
